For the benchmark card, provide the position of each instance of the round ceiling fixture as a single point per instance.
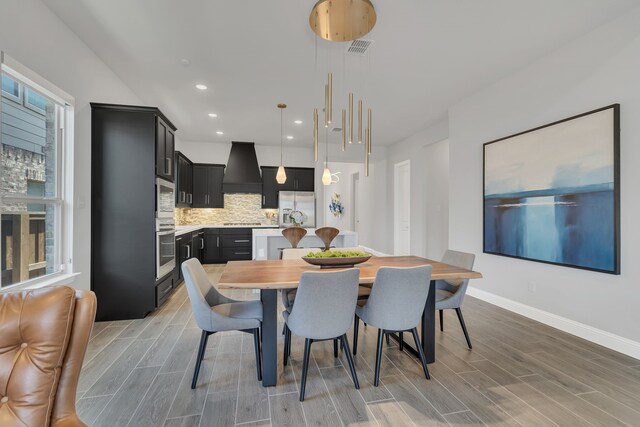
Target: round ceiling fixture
(342, 20)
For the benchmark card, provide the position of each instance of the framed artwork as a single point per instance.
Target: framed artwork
(552, 194)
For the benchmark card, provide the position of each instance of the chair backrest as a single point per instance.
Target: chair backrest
(327, 234)
(294, 235)
(43, 339)
(325, 304)
(398, 297)
(202, 294)
(297, 253)
(458, 259)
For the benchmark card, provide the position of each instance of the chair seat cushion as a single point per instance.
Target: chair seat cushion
(446, 300)
(241, 315)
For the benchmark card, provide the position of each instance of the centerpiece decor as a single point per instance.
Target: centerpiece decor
(336, 258)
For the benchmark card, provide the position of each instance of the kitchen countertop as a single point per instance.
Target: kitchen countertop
(184, 229)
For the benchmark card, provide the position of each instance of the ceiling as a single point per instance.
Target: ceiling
(253, 54)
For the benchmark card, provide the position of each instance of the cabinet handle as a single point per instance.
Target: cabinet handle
(263, 200)
(182, 196)
(201, 243)
(242, 253)
(190, 198)
(242, 241)
(188, 251)
(167, 165)
(218, 241)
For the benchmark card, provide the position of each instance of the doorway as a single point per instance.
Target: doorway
(402, 208)
(355, 202)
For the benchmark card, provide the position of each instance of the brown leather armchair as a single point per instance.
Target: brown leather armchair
(43, 339)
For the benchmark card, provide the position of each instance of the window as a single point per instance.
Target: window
(35, 186)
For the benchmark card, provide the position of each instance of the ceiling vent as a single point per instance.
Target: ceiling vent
(336, 129)
(359, 47)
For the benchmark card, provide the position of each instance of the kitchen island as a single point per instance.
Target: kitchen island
(267, 242)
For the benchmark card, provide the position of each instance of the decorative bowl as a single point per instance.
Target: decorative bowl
(337, 262)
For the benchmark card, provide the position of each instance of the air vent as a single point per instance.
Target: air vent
(336, 130)
(359, 47)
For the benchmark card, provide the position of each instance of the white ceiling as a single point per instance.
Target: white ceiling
(253, 54)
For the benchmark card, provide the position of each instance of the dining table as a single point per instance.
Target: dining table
(270, 276)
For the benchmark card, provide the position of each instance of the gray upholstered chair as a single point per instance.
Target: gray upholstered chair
(216, 313)
(450, 294)
(323, 310)
(288, 295)
(396, 304)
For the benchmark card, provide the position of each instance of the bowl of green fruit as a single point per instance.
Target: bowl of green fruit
(336, 258)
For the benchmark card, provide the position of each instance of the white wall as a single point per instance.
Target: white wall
(429, 175)
(596, 70)
(34, 36)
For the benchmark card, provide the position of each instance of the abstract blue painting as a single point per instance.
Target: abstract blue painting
(551, 194)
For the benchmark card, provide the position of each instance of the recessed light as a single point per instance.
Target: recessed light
(289, 137)
(298, 122)
(214, 115)
(219, 132)
(201, 86)
(185, 62)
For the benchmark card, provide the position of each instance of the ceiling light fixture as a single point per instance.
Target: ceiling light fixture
(298, 122)
(213, 115)
(219, 132)
(201, 86)
(281, 175)
(289, 137)
(343, 21)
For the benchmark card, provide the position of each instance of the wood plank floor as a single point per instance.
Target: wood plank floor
(520, 373)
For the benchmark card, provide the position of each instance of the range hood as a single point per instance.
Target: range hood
(242, 174)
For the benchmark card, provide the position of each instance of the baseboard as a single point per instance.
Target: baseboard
(589, 333)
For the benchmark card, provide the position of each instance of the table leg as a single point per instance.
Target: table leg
(269, 298)
(429, 325)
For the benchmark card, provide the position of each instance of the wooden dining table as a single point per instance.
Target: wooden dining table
(269, 276)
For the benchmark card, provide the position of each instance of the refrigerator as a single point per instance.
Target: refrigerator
(302, 201)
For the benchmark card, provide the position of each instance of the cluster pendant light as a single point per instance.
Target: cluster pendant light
(281, 175)
(341, 21)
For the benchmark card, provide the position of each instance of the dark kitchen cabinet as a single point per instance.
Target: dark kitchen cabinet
(269, 188)
(212, 252)
(124, 156)
(165, 147)
(184, 251)
(298, 179)
(207, 186)
(184, 180)
(236, 243)
(197, 243)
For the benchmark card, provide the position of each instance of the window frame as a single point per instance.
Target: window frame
(11, 96)
(64, 173)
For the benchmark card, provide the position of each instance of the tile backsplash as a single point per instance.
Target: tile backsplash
(237, 208)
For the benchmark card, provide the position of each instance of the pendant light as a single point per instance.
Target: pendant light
(326, 174)
(281, 175)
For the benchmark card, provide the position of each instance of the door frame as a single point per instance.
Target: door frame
(396, 207)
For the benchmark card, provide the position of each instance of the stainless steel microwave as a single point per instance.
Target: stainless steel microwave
(165, 200)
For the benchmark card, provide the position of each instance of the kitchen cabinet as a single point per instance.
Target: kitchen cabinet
(207, 186)
(184, 180)
(197, 239)
(184, 251)
(129, 145)
(165, 146)
(269, 188)
(298, 179)
(212, 252)
(235, 243)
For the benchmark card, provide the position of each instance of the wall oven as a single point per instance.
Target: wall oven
(165, 247)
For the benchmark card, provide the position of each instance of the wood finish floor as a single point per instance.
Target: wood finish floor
(520, 373)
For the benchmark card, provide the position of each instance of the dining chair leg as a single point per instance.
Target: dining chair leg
(305, 366)
(441, 321)
(423, 360)
(256, 344)
(356, 326)
(464, 327)
(401, 340)
(376, 379)
(347, 352)
(335, 348)
(388, 341)
(287, 343)
(203, 346)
